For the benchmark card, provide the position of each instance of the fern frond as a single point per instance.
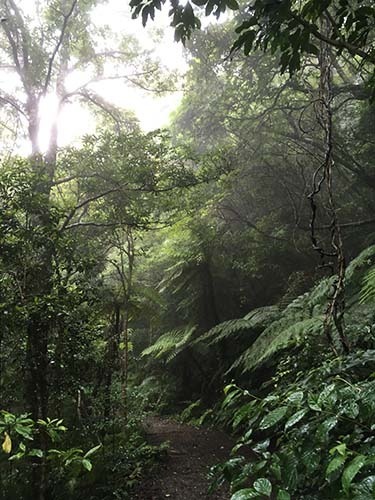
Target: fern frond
(275, 338)
(368, 290)
(254, 320)
(363, 262)
(171, 343)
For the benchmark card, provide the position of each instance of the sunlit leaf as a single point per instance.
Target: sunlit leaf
(7, 443)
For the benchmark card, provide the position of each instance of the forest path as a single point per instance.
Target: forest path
(191, 453)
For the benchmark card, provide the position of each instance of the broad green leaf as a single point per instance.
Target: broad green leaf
(311, 460)
(313, 404)
(87, 464)
(25, 432)
(263, 486)
(365, 490)
(328, 396)
(283, 495)
(273, 417)
(295, 397)
(245, 494)
(295, 418)
(335, 464)
(351, 471)
(340, 449)
(241, 414)
(351, 410)
(289, 467)
(325, 427)
(16, 456)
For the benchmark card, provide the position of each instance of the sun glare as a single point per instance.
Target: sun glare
(152, 110)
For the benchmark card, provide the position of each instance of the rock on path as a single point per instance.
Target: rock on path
(191, 453)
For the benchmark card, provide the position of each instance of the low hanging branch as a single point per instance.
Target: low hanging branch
(323, 177)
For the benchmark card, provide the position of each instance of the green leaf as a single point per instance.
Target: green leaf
(87, 464)
(351, 410)
(93, 450)
(313, 404)
(36, 452)
(295, 397)
(261, 446)
(283, 495)
(273, 417)
(335, 464)
(25, 432)
(241, 414)
(325, 427)
(249, 38)
(295, 418)
(289, 467)
(366, 489)
(351, 471)
(328, 396)
(245, 494)
(340, 449)
(263, 486)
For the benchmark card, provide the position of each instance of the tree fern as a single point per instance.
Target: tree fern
(360, 278)
(368, 290)
(275, 338)
(304, 315)
(254, 320)
(170, 344)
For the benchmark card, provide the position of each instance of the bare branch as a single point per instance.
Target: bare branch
(250, 224)
(7, 99)
(101, 103)
(58, 45)
(86, 202)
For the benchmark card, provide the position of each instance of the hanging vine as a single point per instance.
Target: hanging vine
(332, 257)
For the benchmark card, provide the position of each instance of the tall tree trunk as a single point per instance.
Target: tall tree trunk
(125, 365)
(39, 288)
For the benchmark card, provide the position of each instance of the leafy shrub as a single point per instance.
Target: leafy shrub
(311, 438)
(119, 468)
(21, 451)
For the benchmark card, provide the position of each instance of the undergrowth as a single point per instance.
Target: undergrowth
(311, 438)
(304, 417)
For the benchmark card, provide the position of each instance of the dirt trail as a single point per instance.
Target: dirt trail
(191, 453)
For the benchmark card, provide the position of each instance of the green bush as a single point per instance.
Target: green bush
(311, 438)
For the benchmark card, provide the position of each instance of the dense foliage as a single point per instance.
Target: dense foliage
(143, 272)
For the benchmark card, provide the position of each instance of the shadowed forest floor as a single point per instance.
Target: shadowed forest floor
(191, 453)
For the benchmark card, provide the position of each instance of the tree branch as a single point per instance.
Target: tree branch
(340, 44)
(58, 45)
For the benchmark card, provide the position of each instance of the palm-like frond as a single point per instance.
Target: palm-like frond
(171, 343)
(304, 316)
(368, 290)
(275, 338)
(257, 319)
